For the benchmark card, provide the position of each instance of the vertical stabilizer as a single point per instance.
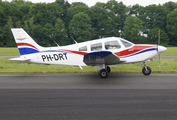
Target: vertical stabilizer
(25, 43)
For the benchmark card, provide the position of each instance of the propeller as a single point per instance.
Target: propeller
(158, 46)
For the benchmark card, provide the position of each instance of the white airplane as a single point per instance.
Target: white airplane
(100, 53)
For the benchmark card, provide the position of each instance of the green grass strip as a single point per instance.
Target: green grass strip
(6, 66)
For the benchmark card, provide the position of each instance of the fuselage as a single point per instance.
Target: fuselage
(74, 54)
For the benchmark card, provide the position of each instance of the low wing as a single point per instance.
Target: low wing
(102, 57)
(20, 59)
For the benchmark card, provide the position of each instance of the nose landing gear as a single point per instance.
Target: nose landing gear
(146, 70)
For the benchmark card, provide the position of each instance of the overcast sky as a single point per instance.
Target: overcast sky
(126, 2)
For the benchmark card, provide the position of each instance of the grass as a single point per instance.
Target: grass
(10, 51)
(6, 66)
(171, 51)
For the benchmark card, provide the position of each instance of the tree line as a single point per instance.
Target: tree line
(61, 22)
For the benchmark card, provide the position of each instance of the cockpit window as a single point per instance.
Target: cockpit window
(97, 46)
(126, 44)
(112, 45)
(83, 48)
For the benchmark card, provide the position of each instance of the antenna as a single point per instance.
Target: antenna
(56, 43)
(74, 40)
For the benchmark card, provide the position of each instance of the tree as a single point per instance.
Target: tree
(100, 15)
(135, 10)
(3, 16)
(28, 25)
(153, 16)
(153, 37)
(49, 34)
(45, 13)
(38, 35)
(77, 9)
(80, 27)
(120, 11)
(75, 4)
(1, 38)
(64, 4)
(104, 22)
(7, 35)
(133, 29)
(60, 32)
(172, 26)
(6, 10)
(169, 6)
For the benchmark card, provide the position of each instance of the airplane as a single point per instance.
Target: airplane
(99, 53)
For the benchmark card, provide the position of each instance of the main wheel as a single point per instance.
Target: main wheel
(146, 71)
(103, 73)
(108, 69)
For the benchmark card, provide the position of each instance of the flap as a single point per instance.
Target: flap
(102, 57)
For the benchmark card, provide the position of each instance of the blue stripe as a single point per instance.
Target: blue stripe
(24, 51)
(151, 49)
(54, 51)
(100, 53)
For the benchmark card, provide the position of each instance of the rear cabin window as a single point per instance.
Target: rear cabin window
(112, 45)
(97, 46)
(83, 48)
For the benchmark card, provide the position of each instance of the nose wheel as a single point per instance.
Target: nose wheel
(146, 70)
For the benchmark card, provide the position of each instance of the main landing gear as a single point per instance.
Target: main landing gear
(146, 70)
(103, 73)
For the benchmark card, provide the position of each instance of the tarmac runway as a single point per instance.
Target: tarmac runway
(85, 96)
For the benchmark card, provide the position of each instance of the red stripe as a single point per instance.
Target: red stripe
(76, 52)
(133, 50)
(26, 44)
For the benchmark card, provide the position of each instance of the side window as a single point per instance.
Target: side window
(97, 46)
(112, 45)
(83, 48)
(126, 44)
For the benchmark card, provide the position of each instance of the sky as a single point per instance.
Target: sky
(126, 2)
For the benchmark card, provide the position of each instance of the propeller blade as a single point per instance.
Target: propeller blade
(158, 47)
(159, 38)
(159, 60)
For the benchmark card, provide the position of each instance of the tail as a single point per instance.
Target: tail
(25, 43)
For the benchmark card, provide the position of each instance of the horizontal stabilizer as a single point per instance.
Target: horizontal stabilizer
(20, 59)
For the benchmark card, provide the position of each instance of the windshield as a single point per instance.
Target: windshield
(126, 43)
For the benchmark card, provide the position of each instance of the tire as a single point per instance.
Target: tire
(103, 73)
(146, 72)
